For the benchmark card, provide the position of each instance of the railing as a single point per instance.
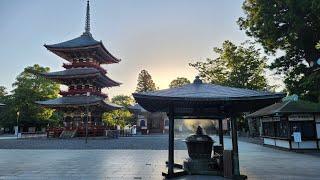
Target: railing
(84, 64)
(82, 91)
(92, 131)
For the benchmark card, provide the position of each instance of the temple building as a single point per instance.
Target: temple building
(83, 100)
(149, 123)
(292, 124)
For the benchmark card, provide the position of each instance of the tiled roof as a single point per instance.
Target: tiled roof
(78, 101)
(72, 72)
(84, 40)
(83, 43)
(81, 73)
(201, 98)
(137, 107)
(288, 107)
(203, 91)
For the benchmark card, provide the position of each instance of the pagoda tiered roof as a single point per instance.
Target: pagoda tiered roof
(85, 40)
(84, 45)
(70, 101)
(78, 73)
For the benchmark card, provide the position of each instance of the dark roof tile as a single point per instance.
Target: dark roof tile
(82, 41)
(78, 101)
(287, 107)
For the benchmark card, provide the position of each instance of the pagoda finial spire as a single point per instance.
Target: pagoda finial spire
(87, 27)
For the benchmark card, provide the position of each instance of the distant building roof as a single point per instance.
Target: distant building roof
(137, 107)
(2, 104)
(82, 73)
(287, 107)
(78, 101)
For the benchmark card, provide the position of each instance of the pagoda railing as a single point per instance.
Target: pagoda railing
(82, 91)
(84, 64)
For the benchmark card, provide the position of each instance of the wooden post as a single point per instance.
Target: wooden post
(171, 141)
(236, 169)
(221, 133)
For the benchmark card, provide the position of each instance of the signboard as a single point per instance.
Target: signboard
(300, 117)
(16, 130)
(297, 137)
(270, 119)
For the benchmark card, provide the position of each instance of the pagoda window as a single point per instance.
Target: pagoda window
(79, 86)
(86, 86)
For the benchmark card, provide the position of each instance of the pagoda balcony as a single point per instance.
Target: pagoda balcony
(84, 64)
(82, 92)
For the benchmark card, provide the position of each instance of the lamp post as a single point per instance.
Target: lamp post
(18, 114)
(87, 108)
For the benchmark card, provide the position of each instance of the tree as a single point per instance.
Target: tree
(28, 88)
(145, 82)
(178, 82)
(117, 117)
(292, 27)
(236, 66)
(120, 117)
(123, 100)
(3, 91)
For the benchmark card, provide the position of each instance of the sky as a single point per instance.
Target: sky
(160, 36)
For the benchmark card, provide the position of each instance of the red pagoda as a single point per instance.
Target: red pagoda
(84, 76)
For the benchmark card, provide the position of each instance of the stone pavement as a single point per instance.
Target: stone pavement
(83, 164)
(157, 142)
(256, 161)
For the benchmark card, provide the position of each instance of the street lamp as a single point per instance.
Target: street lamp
(87, 107)
(18, 114)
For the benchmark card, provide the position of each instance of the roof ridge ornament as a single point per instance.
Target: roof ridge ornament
(87, 25)
(197, 80)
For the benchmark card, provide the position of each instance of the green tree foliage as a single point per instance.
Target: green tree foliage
(117, 117)
(120, 117)
(236, 66)
(123, 100)
(145, 82)
(3, 91)
(28, 88)
(178, 82)
(293, 27)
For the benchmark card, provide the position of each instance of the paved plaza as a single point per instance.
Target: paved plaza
(147, 162)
